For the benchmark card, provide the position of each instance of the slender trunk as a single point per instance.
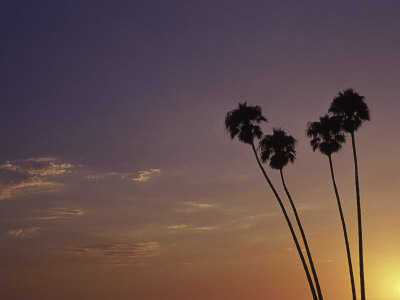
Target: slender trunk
(353, 287)
(360, 240)
(303, 236)
(310, 282)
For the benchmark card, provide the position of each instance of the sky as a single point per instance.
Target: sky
(118, 181)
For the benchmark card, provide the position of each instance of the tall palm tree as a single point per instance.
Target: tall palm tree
(327, 136)
(279, 150)
(352, 109)
(244, 122)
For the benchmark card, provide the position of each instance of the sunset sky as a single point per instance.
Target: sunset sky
(118, 181)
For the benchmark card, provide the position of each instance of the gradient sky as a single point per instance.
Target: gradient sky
(118, 181)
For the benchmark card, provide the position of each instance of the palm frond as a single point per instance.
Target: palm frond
(244, 122)
(326, 135)
(351, 107)
(278, 148)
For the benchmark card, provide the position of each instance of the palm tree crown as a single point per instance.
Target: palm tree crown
(351, 107)
(327, 134)
(278, 148)
(244, 122)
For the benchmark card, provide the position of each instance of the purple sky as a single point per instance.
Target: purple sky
(97, 93)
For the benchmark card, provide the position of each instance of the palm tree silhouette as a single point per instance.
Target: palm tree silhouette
(327, 136)
(244, 122)
(351, 108)
(279, 150)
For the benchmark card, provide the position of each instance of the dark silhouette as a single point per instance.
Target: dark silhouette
(327, 136)
(279, 150)
(353, 111)
(244, 122)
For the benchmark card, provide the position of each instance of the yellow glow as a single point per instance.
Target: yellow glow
(398, 288)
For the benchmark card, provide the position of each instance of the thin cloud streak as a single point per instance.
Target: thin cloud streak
(106, 175)
(31, 173)
(193, 228)
(23, 232)
(239, 223)
(137, 250)
(141, 176)
(199, 205)
(43, 166)
(7, 190)
(206, 228)
(182, 226)
(144, 176)
(58, 213)
(191, 207)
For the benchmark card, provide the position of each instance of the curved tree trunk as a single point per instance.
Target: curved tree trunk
(360, 240)
(303, 235)
(289, 224)
(353, 287)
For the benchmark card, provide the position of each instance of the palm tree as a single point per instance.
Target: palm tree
(244, 122)
(327, 136)
(351, 108)
(279, 150)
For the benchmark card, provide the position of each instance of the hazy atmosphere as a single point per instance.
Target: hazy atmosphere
(118, 179)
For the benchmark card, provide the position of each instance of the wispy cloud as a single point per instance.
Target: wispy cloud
(146, 175)
(199, 205)
(291, 249)
(141, 176)
(42, 166)
(23, 232)
(64, 211)
(237, 224)
(137, 250)
(58, 213)
(182, 226)
(206, 228)
(29, 174)
(248, 221)
(8, 189)
(309, 207)
(245, 226)
(190, 207)
(196, 228)
(106, 175)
